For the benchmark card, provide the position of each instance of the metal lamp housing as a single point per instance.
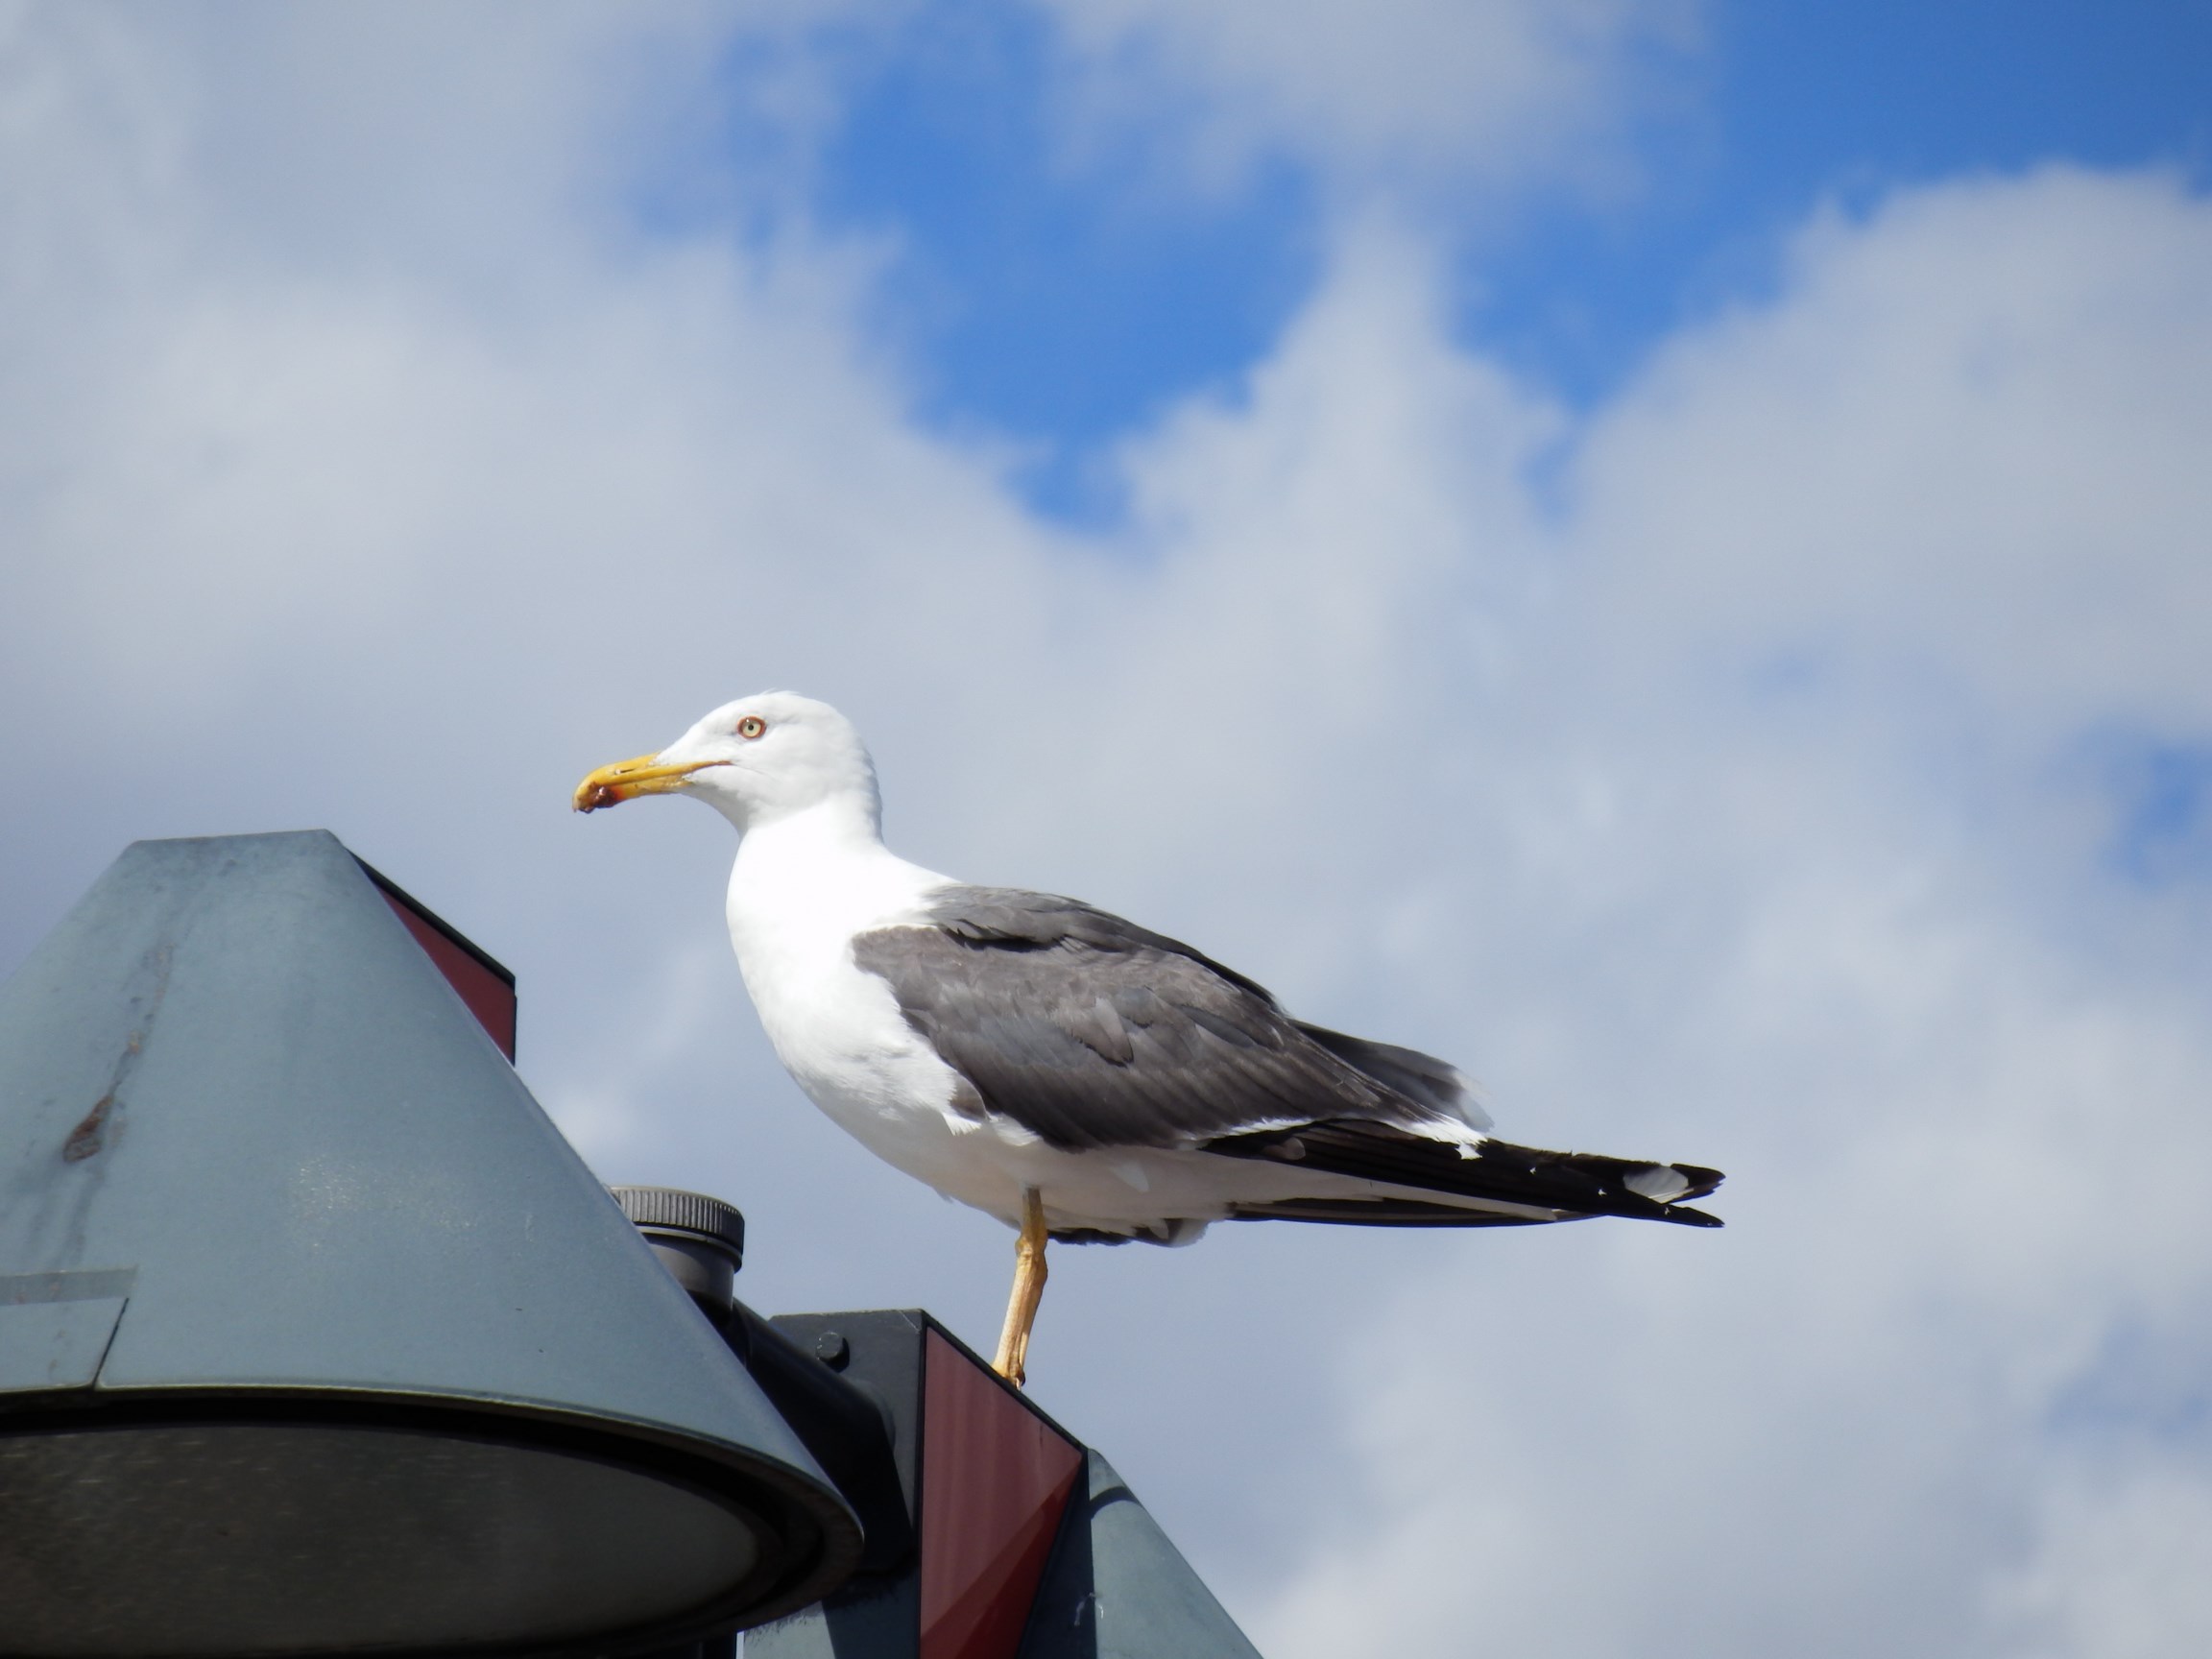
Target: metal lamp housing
(316, 1337)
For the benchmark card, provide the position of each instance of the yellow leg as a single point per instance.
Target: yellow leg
(1029, 1291)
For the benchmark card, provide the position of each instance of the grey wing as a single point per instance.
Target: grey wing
(1422, 1078)
(1090, 1031)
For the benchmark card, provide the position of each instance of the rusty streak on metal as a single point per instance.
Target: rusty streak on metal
(91, 1133)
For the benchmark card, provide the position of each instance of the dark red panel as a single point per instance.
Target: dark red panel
(486, 986)
(995, 1477)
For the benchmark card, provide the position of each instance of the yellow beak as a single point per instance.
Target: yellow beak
(641, 774)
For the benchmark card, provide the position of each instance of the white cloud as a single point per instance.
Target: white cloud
(1827, 924)
(2118, 1567)
(1711, 800)
(1405, 89)
(1923, 453)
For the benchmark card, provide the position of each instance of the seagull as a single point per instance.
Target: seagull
(1081, 1078)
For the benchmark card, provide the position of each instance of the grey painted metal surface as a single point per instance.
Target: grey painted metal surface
(253, 1146)
(56, 1344)
(1116, 1588)
(238, 1034)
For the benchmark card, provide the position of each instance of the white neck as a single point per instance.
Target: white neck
(846, 821)
(821, 872)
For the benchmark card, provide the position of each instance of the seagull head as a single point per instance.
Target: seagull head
(753, 760)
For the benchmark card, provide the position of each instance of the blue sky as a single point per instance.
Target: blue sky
(1063, 300)
(1655, 549)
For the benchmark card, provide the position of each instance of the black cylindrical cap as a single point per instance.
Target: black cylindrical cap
(672, 1209)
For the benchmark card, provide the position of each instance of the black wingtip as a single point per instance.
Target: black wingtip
(1702, 1181)
(1528, 1179)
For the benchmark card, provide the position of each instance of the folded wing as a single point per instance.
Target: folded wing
(1094, 1033)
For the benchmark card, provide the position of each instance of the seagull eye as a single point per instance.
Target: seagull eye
(752, 726)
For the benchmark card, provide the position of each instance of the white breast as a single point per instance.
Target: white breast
(799, 892)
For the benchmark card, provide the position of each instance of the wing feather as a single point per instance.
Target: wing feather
(1567, 1183)
(1090, 1031)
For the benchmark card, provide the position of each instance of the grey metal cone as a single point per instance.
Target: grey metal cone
(1116, 1588)
(261, 1171)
